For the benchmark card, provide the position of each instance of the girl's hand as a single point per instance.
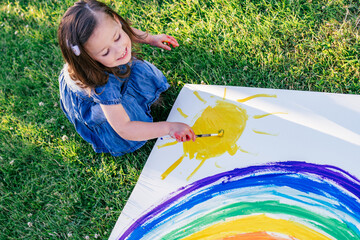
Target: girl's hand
(163, 41)
(181, 132)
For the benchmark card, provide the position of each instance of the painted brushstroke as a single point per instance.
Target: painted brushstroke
(256, 223)
(290, 200)
(268, 114)
(259, 236)
(199, 97)
(167, 144)
(264, 133)
(256, 96)
(172, 167)
(182, 113)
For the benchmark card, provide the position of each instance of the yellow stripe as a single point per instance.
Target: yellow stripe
(268, 114)
(198, 96)
(255, 96)
(257, 223)
(172, 167)
(182, 113)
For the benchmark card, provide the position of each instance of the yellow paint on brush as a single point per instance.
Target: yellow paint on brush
(182, 113)
(257, 223)
(224, 93)
(172, 167)
(268, 114)
(264, 133)
(198, 96)
(167, 144)
(255, 96)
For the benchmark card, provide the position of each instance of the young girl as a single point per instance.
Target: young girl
(104, 90)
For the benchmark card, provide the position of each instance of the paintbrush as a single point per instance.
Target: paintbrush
(219, 134)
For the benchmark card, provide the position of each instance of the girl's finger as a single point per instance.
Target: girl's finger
(172, 41)
(166, 47)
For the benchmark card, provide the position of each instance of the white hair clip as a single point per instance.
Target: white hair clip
(74, 48)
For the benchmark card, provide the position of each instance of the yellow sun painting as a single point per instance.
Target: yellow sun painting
(226, 115)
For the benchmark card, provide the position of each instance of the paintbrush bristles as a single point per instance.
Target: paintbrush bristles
(221, 133)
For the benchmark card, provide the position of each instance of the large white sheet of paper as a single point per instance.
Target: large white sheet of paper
(272, 138)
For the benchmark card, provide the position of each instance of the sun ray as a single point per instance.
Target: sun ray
(167, 144)
(198, 96)
(196, 169)
(268, 114)
(244, 151)
(217, 165)
(173, 166)
(182, 113)
(264, 133)
(256, 96)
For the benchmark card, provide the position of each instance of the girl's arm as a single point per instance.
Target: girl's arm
(161, 40)
(140, 131)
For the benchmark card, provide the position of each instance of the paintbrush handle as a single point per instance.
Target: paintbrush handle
(206, 135)
(197, 135)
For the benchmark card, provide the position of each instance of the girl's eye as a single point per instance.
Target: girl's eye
(107, 52)
(118, 38)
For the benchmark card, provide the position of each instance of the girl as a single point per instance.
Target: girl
(104, 90)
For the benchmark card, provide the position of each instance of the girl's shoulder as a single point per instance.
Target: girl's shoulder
(66, 82)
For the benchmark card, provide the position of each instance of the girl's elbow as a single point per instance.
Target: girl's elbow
(125, 135)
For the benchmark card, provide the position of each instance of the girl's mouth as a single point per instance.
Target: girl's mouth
(123, 55)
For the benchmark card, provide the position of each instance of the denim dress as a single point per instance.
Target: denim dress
(135, 93)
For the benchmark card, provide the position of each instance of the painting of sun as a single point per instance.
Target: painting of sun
(229, 117)
(284, 167)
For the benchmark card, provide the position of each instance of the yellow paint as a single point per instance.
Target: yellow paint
(224, 93)
(167, 144)
(265, 133)
(182, 113)
(198, 96)
(257, 223)
(224, 115)
(255, 96)
(242, 150)
(172, 167)
(196, 169)
(217, 165)
(268, 114)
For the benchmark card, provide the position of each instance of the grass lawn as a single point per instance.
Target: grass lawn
(52, 184)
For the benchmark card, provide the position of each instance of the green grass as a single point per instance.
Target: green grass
(51, 186)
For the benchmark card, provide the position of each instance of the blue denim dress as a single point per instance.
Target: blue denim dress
(135, 93)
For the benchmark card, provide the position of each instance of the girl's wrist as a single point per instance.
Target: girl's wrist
(149, 39)
(169, 128)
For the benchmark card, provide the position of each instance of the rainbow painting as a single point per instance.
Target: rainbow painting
(281, 200)
(286, 168)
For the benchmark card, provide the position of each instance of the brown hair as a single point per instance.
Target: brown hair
(76, 27)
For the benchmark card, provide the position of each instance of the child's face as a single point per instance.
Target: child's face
(109, 44)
